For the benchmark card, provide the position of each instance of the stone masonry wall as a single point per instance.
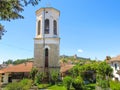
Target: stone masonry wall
(39, 59)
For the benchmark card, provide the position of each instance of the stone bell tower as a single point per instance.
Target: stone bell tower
(47, 40)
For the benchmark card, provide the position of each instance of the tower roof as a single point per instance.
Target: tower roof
(48, 8)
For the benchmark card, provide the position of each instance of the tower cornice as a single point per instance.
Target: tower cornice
(43, 8)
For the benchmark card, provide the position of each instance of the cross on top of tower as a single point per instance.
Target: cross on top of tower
(48, 4)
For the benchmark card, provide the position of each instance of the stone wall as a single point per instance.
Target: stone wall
(39, 58)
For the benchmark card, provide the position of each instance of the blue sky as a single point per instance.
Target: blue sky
(88, 28)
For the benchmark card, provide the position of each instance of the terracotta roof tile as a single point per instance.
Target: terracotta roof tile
(115, 58)
(66, 67)
(24, 67)
(1, 71)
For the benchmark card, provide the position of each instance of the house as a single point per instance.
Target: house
(64, 70)
(115, 64)
(3, 65)
(15, 72)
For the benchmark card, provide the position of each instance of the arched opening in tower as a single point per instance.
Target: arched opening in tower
(46, 26)
(55, 27)
(46, 57)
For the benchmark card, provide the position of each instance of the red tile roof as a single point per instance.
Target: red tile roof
(115, 59)
(24, 67)
(65, 68)
(1, 71)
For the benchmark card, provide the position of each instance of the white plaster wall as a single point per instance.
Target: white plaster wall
(47, 41)
(51, 15)
(115, 70)
(5, 78)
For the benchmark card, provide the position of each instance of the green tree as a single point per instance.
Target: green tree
(39, 77)
(11, 9)
(79, 70)
(67, 82)
(54, 76)
(9, 62)
(33, 73)
(75, 71)
(104, 71)
(64, 60)
(2, 31)
(78, 83)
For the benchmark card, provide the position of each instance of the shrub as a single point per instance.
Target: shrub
(67, 82)
(24, 84)
(39, 77)
(54, 77)
(13, 86)
(103, 83)
(33, 73)
(78, 83)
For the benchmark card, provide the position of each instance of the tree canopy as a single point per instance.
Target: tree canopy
(18, 61)
(11, 9)
(2, 30)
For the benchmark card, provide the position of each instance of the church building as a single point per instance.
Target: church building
(47, 40)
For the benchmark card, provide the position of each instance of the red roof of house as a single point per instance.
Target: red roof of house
(1, 71)
(115, 59)
(24, 67)
(66, 67)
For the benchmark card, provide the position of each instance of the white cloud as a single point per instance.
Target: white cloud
(80, 50)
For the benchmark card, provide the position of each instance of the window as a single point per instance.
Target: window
(39, 27)
(115, 66)
(55, 27)
(46, 57)
(46, 26)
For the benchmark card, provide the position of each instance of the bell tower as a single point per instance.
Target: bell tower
(47, 40)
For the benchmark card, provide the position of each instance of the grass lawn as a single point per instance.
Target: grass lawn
(61, 87)
(53, 87)
(57, 87)
(90, 86)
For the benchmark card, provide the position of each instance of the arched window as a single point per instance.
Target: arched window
(46, 26)
(46, 57)
(39, 27)
(55, 27)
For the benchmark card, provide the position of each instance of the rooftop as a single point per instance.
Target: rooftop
(24, 67)
(117, 58)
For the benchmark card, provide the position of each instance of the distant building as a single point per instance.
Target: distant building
(75, 56)
(3, 65)
(115, 64)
